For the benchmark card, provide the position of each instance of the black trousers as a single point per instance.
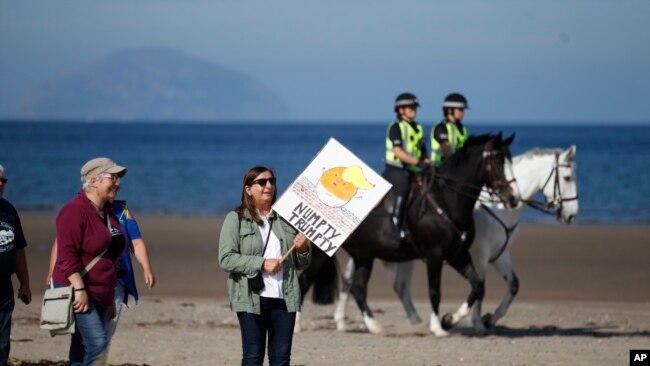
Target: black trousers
(401, 181)
(7, 303)
(275, 321)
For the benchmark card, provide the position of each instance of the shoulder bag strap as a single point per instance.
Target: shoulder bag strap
(96, 259)
(267, 236)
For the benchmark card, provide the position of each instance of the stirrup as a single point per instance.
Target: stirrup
(398, 233)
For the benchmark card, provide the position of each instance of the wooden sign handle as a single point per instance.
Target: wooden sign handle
(288, 253)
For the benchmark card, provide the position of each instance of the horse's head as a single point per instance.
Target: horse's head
(561, 191)
(509, 171)
(498, 170)
(485, 157)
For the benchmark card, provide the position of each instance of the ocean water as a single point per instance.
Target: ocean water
(196, 169)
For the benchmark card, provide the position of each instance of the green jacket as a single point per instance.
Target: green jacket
(240, 252)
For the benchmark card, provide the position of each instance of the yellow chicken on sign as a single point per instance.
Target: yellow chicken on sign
(337, 186)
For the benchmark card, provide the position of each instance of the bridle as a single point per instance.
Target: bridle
(496, 185)
(555, 205)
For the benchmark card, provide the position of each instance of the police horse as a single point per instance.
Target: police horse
(440, 225)
(551, 172)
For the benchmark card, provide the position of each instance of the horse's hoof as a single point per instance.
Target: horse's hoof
(340, 326)
(441, 333)
(372, 324)
(415, 320)
(375, 328)
(487, 321)
(447, 322)
(480, 332)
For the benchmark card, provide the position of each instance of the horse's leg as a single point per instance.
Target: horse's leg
(503, 265)
(359, 290)
(474, 300)
(402, 286)
(322, 276)
(434, 274)
(480, 256)
(344, 296)
(305, 281)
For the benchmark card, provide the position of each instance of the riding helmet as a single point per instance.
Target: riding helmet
(406, 100)
(455, 100)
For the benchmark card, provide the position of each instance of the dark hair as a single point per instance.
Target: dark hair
(247, 202)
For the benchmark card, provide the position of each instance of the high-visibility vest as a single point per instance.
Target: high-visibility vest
(412, 136)
(455, 136)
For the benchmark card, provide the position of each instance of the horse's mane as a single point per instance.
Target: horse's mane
(472, 141)
(481, 139)
(536, 152)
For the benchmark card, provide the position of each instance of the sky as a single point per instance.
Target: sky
(516, 61)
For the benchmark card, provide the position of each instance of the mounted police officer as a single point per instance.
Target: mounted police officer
(405, 149)
(449, 134)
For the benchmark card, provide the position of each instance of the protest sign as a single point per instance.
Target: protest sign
(331, 197)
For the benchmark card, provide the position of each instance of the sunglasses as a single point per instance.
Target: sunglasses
(4, 180)
(262, 181)
(113, 177)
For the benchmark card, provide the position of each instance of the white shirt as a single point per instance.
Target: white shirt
(272, 283)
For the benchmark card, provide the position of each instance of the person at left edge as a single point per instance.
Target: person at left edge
(12, 260)
(86, 227)
(405, 148)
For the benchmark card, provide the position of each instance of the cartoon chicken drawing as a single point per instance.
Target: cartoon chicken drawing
(337, 186)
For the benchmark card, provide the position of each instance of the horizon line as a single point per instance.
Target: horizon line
(306, 121)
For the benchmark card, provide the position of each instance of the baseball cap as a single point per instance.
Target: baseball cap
(102, 165)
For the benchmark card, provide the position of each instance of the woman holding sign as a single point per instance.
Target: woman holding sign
(262, 283)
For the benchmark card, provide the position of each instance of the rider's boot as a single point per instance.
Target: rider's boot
(397, 222)
(395, 225)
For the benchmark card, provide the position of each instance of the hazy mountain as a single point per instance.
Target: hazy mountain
(152, 84)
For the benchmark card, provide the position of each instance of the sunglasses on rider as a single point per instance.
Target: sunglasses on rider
(4, 180)
(262, 181)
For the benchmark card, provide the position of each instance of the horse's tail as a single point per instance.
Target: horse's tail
(323, 274)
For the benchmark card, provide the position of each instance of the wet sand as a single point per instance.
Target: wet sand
(584, 299)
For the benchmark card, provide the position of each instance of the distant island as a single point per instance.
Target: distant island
(155, 84)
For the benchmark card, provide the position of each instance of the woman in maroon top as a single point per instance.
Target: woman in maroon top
(86, 228)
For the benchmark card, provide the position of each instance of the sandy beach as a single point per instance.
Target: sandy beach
(584, 300)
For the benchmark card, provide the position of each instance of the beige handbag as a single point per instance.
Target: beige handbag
(57, 315)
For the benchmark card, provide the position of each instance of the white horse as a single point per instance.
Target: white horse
(551, 172)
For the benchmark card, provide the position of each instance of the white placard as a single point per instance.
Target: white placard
(331, 197)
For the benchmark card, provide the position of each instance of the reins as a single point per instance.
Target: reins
(508, 231)
(490, 168)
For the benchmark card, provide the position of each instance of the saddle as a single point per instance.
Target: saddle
(420, 185)
(420, 188)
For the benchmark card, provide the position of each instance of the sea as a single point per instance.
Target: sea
(196, 169)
